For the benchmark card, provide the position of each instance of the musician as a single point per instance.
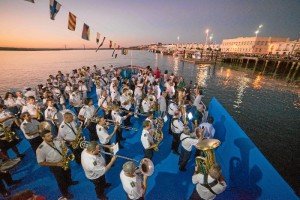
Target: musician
(133, 183)
(29, 92)
(162, 105)
(32, 108)
(150, 118)
(51, 116)
(75, 99)
(147, 140)
(65, 110)
(115, 95)
(198, 115)
(49, 153)
(87, 111)
(209, 130)
(30, 129)
(5, 176)
(146, 104)
(11, 103)
(114, 82)
(137, 98)
(95, 168)
(82, 89)
(104, 102)
(197, 101)
(210, 185)
(177, 129)
(187, 142)
(20, 101)
(104, 137)
(126, 101)
(116, 117)
(68, 131)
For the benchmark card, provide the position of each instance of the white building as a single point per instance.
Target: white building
(286, 48)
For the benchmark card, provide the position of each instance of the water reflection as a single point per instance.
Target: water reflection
(202, 74)
(243, 83)
(257, 82)
(175, 67)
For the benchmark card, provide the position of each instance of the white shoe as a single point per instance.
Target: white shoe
(136, 116)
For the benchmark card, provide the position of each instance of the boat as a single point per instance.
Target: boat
(247, 172)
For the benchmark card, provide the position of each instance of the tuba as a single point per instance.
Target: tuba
(158, 135)
(207, 155)
(65, 157)
(75, 143)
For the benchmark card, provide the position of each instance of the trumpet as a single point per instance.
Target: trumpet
(146, 165)
(112, 122)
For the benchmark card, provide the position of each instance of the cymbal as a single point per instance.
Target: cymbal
(208, 144)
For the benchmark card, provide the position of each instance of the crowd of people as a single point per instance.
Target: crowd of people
(52, 117)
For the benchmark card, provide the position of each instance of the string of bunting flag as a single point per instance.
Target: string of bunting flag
(55, 7)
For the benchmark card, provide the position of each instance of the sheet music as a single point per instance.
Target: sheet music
(115, 148)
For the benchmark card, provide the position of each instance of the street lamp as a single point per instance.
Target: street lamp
(258, 29)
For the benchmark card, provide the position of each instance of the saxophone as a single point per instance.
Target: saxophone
(75, 143)
(65, 157)
(38, 113)
(158, 135)
(8, 135)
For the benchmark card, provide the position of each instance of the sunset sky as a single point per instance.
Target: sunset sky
(136, 22)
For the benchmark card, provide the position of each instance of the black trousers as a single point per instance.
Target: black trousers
(63, 179)
(141, 198)
(195, 195)
(7, 178)
(175, 142)
(184, 157)
(148, 153)
(99, 184)
(93, 132)
(119, 135)
(77, 154)
(35, 142)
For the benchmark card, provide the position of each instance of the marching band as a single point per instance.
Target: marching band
(67, 111)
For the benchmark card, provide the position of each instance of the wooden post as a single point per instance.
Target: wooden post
(247, 63)
(265, 67)
(295, 72)
(256, 61)
(292, 67)
(274, 74)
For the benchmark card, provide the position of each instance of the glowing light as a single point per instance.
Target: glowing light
(190, 116)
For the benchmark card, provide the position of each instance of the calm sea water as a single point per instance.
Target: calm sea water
(267, 109)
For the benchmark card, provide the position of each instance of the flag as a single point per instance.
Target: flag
(110, 43)
(98, 38)
(85, 32)
(32, 1)
(117, 51)
(72, 22)
(114, 50)
(100, 44)
(54, 8)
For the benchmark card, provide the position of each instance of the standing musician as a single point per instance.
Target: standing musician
(95, 168)
(133, 183)
(137, 98)
(115, 113)
(209, 130)
(177, 129)
(114, 82)
(104, 103)
(87, 111)
(49, 153)
(68, 131)
(208, 185)
(30, 128)
(115, 95)
(147, 140)
(50, 116)
(82, 89)
(126, 101)
(103, 135)
(146, 105)
(187, 142)
(162, 105)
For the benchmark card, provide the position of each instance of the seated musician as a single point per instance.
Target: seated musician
(51, 116)
(87, 111)
(105, 103)
(33, 109)
(11, 103)
(147, 140)
(208, 186)
(75, 99)
(68, 131)
(126, 102)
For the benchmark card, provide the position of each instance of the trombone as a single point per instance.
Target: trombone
(146, 165)
(140, 114)
(112, 122)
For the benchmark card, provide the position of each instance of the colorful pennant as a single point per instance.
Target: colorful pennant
(100, 44)
(72, 22)
(85, 32)
(54, 8)
(98, 38)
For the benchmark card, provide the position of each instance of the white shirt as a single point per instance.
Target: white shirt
(10, 102)
(203, 192)
(31, 108)
(28, 127)
(209, 130)
(102, 134)
(117, 117)
(103, 101)
(20, 101)
(132, 185)
(162, 103)
(82, 91)
(50, 112)
(146, 105)
(87, 111)
(172, 108)
(115, 96)
(123, 99)
(146, 139)
(46, 153)
(197, 101)
(176, 126)
(75, 98)
(188, 143)
(137, 93)
(93, 165)
(67, 131)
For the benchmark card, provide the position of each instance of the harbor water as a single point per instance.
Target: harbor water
(268, 110)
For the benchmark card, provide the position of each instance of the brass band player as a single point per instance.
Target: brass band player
(105, 104)
(33, 109)
(147, 140)
(126, 102)
(86, 113)
(68, 131)
(50, 154)
(104, 137)
(177, 129)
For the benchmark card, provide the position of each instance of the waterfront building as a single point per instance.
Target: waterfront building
(286, 48)
(250, 45)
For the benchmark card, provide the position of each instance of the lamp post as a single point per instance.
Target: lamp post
(258, 29)
(177, 41)
(206, 31)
